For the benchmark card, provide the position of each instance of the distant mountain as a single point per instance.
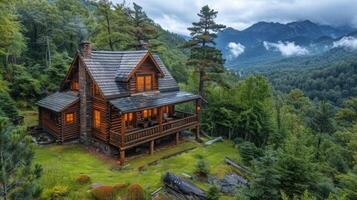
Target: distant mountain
(266, 42)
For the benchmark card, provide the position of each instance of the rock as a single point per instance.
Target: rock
(231, 182)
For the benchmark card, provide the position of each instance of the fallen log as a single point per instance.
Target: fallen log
(236, 165)
(179, 187)
(214, 140)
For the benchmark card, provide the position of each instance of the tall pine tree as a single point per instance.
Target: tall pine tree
(204, 56)
(18, 175)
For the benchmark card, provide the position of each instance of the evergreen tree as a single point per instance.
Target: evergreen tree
(18, 176)
(266, 182)
(113, 29)
(204, 56)
(144, 31)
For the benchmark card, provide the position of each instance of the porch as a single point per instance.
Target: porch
(140, 119)
(178, 122)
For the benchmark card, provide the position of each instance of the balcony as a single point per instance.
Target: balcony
(182, 121)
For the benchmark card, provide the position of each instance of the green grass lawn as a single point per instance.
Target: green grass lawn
(62, 164)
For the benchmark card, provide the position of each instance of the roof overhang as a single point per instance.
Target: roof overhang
(58, 101)
(152, 100)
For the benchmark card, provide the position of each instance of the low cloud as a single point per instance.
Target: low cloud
(286, 48)
(235, 49)
(348, 42)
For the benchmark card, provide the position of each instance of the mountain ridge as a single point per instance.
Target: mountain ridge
(265, 41)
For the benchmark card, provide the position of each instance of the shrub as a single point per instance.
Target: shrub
(83, 179)
(135, 192)
(57, 192)
(103, 192)
(201, 168)
(213, 193)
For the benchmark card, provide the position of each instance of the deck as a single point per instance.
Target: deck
(132, 138)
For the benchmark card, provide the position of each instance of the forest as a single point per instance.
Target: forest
(299, 143)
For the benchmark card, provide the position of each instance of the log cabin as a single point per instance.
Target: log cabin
(119, 99)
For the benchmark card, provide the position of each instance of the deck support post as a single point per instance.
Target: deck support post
(177, 138)
(197, 132)
(152, 143)
(122, 157)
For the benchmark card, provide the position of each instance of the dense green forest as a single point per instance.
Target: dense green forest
(296, 147)
(330, 77)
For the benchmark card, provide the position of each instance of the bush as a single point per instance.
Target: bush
(83, 179)
(213, 193)
(57, 192)
(103, 193)
(135, 192)
(201, 168)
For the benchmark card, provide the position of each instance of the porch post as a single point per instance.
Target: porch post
(198, 110)
(152, 143)
(197, 132)
(122, 157)
(160, 119)
(177, 139)
(122, 131)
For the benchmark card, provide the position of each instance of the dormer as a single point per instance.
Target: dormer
(143, 76)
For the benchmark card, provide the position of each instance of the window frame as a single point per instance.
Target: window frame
(97, 121)
(73, 118)
(145, 86)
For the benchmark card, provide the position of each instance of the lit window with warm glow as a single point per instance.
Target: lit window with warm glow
(69, 118)
(75, 85)
(96, 118)
(140, 83)
(128, 117)
(148, 83)
(147, 113)
(144, 83)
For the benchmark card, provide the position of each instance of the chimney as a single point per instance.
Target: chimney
(86, 49)
(143, 45)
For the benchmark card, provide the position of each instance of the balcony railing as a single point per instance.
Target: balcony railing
(185, 120)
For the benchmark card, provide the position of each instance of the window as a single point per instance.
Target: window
(147, 83)
(147, 113)
(144, 83)
(140, 84)
(96, 119)
(69, 118)
(129, 119)
(75, 85)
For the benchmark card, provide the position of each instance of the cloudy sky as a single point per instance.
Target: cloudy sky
(177, 15)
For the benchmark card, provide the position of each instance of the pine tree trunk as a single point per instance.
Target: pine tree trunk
(109, 32)
(201, 88)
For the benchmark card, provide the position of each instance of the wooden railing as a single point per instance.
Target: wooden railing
(138, 136)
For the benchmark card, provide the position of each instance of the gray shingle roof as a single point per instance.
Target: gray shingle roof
(139, 102)
(110, 68)
(58, 101)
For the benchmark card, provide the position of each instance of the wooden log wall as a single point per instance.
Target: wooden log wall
(70, 131)
(51, 122)
(115, 127)
(100, 104)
